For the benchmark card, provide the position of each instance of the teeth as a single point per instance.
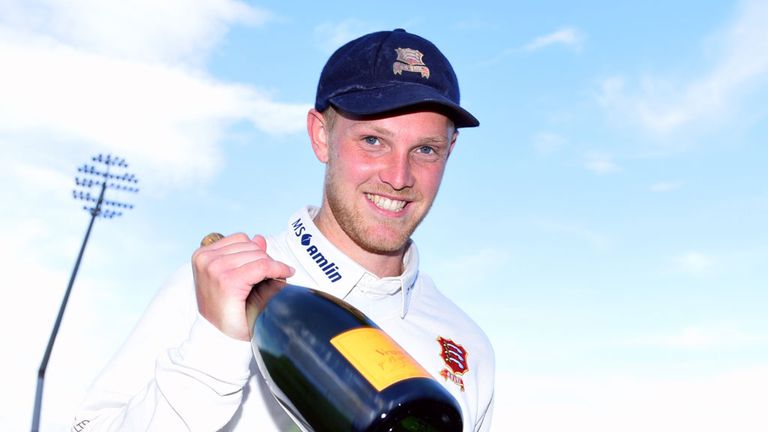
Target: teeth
(386, 203)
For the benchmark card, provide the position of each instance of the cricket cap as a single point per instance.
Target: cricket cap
(387, 71)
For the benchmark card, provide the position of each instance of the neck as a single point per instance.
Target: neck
(382, 264)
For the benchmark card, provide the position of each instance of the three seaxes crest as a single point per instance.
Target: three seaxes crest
(410, 60)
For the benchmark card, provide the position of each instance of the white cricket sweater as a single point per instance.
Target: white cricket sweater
(178, 372)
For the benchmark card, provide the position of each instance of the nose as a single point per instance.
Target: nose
(397, 171)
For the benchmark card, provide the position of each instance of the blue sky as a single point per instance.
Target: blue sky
(604, 224)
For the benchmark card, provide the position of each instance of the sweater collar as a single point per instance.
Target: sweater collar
(336, 273)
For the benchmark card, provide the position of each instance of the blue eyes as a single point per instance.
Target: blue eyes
(422, 150)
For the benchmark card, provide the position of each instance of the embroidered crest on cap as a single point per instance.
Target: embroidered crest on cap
(409, 60)
(455, 357)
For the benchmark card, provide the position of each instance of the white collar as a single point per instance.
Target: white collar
(336, 273)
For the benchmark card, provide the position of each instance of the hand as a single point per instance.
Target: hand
(260, 295)
(225, 273)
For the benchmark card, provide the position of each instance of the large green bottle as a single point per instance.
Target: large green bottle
(334, 370)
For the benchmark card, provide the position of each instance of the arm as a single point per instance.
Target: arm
(196, 381)
(484, 423)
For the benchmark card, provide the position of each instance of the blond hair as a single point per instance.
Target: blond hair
(329, 115)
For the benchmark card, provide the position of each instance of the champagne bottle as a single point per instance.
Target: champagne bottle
(334, 370)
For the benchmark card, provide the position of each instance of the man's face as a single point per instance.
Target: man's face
(382, 176)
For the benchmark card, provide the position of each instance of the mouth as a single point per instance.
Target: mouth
(385, 203)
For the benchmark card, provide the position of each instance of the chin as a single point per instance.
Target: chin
(384, 244)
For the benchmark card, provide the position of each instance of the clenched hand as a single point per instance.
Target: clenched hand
(225, 272)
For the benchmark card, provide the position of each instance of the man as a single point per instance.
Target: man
(384, 124)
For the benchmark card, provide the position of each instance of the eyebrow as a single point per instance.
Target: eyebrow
(380, 130)
(425, 140)
(433, 140)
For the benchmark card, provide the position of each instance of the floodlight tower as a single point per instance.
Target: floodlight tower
(101, 174)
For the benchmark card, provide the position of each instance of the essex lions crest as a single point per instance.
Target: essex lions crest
(455, 358)
(409, 60)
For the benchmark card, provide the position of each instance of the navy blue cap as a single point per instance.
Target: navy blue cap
(390, 70)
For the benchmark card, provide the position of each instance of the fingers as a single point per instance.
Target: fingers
(216, 241)
(212, 253)
(225, 271)
(257, 269)
(242, 267)
(260, 240)
(239, 252)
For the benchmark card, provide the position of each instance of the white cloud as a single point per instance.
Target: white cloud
(666, 186)
(567, 36)
(717, 337)
(601, 163)
(695, 263)
(485, 261)
(83, 77)
(333, 35)
(575, 230)
(662, 104)
(39, 178)
(63, 88)
(730, 400)
(168, 31)
(547, 143)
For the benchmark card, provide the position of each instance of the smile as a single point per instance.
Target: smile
(386, 203)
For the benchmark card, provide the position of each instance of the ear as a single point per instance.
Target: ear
(318, 134)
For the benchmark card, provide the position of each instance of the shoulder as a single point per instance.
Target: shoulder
(428, 298)
(451, 319)
(177, 293)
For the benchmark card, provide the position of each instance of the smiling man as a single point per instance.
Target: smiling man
(381, 179)
(384, 124)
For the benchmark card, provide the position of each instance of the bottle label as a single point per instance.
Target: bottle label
(377, 357)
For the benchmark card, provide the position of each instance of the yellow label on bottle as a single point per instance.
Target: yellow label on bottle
(377, 357)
